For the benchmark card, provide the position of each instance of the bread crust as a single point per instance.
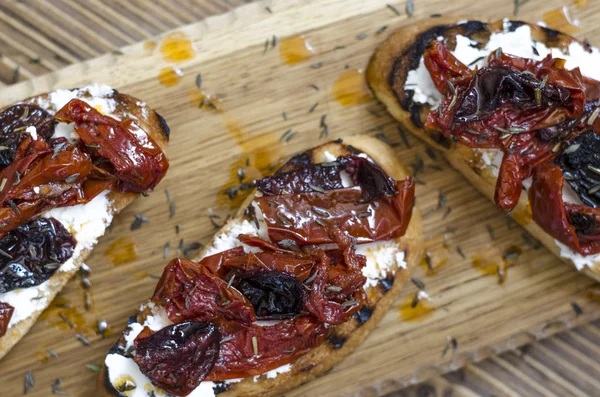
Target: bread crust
(156, 127)
(386, 66)
(342, 339)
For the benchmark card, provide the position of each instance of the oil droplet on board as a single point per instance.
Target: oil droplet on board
(64, 314)
(177, 47)
(489, 261)
(581, 3)
(523, 216)
(416, 308)
(561, 19)
(351, 88)
(203, 100)
(433, 261)
(256, 161)
(149, 45)
(593, 294)
(295, 49)
(170, 76)
(122, 250)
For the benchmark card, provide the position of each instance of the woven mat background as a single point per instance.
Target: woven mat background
(37, 37)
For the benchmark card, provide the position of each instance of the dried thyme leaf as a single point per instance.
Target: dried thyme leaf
(55, 388)
(491, 231)
(394, 9)
(29, 382)
(460, 252)
(166, 249)
(420, 284)
(83, 339)
(138, 222)
(576, 308)
(410, 8)
(94, 368)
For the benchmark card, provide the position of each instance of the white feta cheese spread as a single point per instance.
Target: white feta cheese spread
(518, 43)
(580, 261)
(95, 95)
(31, 130)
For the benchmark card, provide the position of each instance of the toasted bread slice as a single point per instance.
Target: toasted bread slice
(387, 74)
(342, 339)
(122, 106)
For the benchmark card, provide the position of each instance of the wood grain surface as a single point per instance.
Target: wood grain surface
(253, 87)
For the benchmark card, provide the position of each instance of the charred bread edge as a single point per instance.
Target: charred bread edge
(346, 337)
(155, 126)
(379, 74)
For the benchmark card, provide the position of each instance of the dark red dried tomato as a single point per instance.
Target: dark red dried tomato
(374, 182)
(276, 345)
(58, 171)
(372, 179)
(307, 218)
(554, 216)
(191, 291)
(31, 253)
(332, 303)
(6, 312)
(272, 258)
(14, 121)
(301, 180)
(274, 295)
(137, 161)
(513, 104)
(178, 357)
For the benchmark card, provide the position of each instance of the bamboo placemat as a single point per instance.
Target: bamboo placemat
(37, 37)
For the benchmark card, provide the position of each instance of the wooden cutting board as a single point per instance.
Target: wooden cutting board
(252, 85)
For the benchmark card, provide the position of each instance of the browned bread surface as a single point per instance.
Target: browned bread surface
(155, 126)
(387, 73)
(342, 339)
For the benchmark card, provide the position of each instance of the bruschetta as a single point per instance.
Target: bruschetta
(69, 161)
(514, 107)
(286, 289)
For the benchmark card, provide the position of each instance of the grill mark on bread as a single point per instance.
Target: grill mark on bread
(386, 284)
(363, 315)
(337, 341)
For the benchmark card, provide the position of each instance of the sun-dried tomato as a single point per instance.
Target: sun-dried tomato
(274, 295)
(178, 357)
(137, 161)
(31, 253)
(554, 216)
(307, 218)
(13, 123)
(191, 291)
(6, 312)
(513, 104)
(252, 351)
